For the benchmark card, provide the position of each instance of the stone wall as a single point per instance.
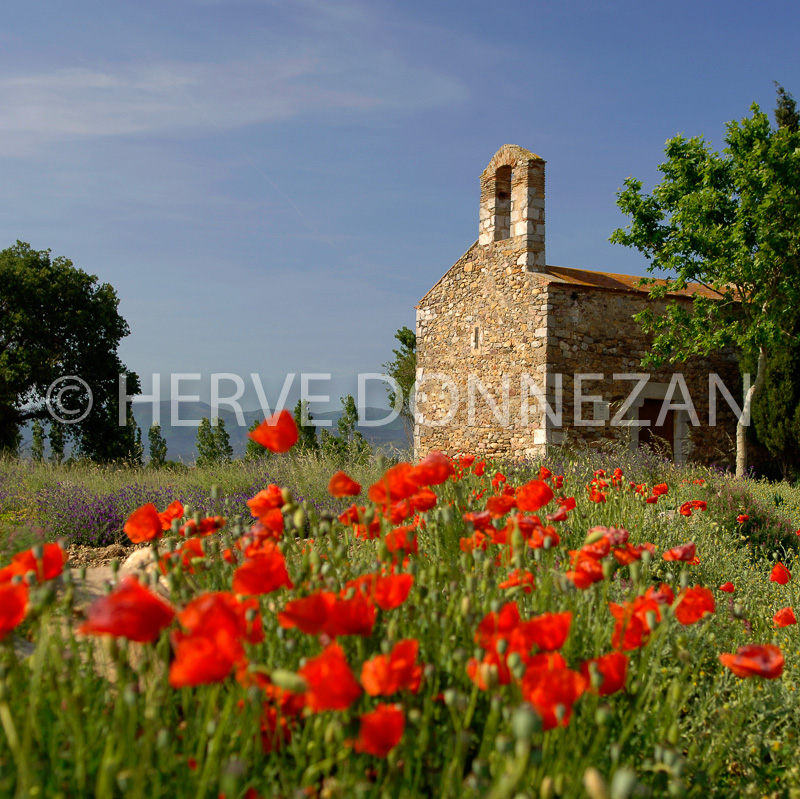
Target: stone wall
(593, 332)
(482, 325)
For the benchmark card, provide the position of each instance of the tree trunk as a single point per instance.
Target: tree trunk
(744, 419)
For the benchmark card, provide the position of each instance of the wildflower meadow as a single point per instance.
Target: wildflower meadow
(450, 628)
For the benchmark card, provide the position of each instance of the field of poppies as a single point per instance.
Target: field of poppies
(452, 629)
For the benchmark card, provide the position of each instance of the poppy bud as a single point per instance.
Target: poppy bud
(525, 722)
(595, 677)
(635, 570)
(602, 715)
(623, 783)
(286, 496)
(503, 745)
(647, 558)
(216, 493)
(609, 567)
(547, 789)
(466, 603)
(299, 519)
(684, 579)
(289, 681)
(502, 646)
(470, 584)
(669, 577)
(652, 619)
(450, 696)
(517, 540)
(595, 784)
(392, 633)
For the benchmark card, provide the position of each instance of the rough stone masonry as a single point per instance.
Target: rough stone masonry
(514, 356)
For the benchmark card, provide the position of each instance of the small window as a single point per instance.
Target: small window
(476, 338)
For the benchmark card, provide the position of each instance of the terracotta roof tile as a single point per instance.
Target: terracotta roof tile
(613, 282)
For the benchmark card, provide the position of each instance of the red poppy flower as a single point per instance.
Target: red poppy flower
(144, 524)
(383, 675)
(331, 685)
(553, 693)
(585, 571)
(268, 499)
(693, 604)
(755, 660)
(533, 495)
(660, 489)
(780, 574)
(632, 628)
(423, 500)
(278, 433)
(202, 659)
(784, 618)
(173, 511)
(547, 632)
(728, 588)
(495, 626)
(663, 595)
(391, 591)
(129, 611)
(489, 672)
(13, 604)
(355, 616)
(50, 565)
(341, 485)
(402, 539)
(685, 509)
(204, 527)
(381, 730)
(498, 506)
(433, 470)
(308, 614)
(262, 574)
(685, 552)
(518, 577)
(217, 610)
(614, 670)
(398, 482)
(742, 518)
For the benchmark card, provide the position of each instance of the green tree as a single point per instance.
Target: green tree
(56, 442)
(37, 444)
(57, 323)
(136, 452)
(786, 114)
(404, 371)
(729, 222)
(308, 432)
(349, 445)
(776, 417)
(253, 450)
(206, 444)
(158, 447)
(222, 442)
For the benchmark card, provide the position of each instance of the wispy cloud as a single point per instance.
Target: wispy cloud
(167, 96)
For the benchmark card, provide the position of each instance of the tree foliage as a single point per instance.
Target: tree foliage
(349, 445)
(776, 417)
(58, 321)
(158, 447)
(308, 440)
(213, 443)
(404, 371)
(728, 222)
(37, 443)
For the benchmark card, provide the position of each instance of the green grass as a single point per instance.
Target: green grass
(683, 726)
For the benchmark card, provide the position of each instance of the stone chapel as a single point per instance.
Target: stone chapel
(514, 355)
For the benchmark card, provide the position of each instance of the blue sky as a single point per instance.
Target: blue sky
(272, 185)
